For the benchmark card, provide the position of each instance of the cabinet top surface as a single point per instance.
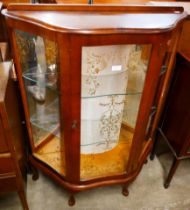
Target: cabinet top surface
(4, 76)
(98, 18)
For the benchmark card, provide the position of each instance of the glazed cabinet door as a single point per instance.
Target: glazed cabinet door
(38, 72)
(115, 95)
(111, 88)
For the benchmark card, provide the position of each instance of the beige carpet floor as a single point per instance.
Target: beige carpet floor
(146, 192)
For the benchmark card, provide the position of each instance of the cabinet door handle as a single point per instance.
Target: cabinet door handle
(163, 70)
(74, 124)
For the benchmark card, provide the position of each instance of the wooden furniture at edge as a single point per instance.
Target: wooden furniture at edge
(7, 2)
(78, 135)
(5, 51)
(174, 124)
(175, 120)
(2, 32)
(3, 44)
(12, 155)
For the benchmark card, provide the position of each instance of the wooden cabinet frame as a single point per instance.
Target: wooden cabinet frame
(71, 38)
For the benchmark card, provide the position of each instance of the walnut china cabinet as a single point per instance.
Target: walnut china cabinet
(88, 77)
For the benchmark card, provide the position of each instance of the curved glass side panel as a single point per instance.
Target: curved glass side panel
(40, 73)
(112, 84)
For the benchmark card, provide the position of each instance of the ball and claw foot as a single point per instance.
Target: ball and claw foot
(125, 191)
(71, 200)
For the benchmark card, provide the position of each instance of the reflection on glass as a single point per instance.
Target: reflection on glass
(38, 58)
(112, 84)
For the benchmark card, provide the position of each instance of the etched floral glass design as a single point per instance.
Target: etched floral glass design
(112, 84)
(40, 73)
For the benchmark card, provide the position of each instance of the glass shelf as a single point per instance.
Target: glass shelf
(48, 77)
(47, 118)
(115, 94)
